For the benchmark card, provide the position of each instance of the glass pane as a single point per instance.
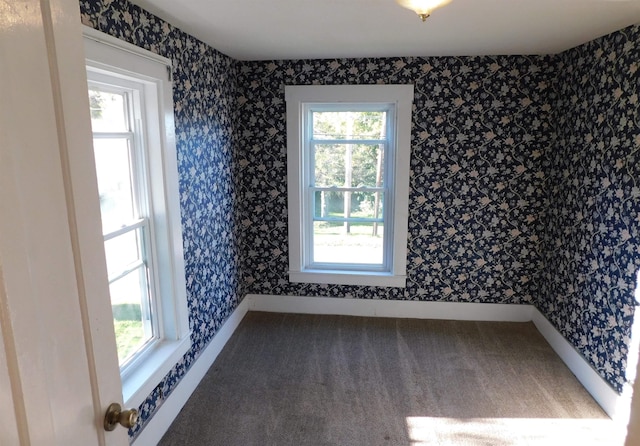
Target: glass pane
(108, 113)
(329, 163)
(113, 167)
(335, 204)
(366, 165)
(350, 125)
(354, 243)
(349, 165)
(122, 251)
(131, 315)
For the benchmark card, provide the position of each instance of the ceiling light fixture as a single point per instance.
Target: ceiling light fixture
(422, 7)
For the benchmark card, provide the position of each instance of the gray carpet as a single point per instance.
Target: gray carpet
(289, 379)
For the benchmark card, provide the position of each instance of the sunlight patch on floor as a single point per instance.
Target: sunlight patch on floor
(514, 431)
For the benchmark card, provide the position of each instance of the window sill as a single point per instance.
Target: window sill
(139, 384)
(348, 278)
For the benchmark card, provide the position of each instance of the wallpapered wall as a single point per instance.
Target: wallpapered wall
(481, 132)
(592, 242)
(205, 103)
(519, 191)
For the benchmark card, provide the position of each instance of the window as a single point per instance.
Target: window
(131, 105)
(124, 206)
(348, 153)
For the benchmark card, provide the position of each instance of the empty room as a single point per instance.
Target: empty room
(340, 222)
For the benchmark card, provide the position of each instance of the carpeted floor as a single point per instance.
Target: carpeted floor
(289, 379)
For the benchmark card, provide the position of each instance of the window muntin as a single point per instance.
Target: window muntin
(117, 123)
(348, 151)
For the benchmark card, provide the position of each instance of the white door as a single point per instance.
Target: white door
(58, 364)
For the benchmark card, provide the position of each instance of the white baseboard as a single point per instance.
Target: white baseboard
(391, 308)
(160, 422)
(615, 405)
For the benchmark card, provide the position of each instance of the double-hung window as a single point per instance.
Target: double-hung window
(131, 108)
(126, 216)
(348, 171)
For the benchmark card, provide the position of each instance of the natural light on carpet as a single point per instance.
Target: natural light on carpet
(514, 431)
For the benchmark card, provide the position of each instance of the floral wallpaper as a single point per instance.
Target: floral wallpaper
(524, 175)
(592, 237)
(481, 133)
(205, 102)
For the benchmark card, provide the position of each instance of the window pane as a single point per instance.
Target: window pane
(366, 165)
(335, 204)
(329, 163)
(131, 315)
(363, 244)
(122, 251)
(108, 113)
(350, 125)
(113, 167)
(349, 165)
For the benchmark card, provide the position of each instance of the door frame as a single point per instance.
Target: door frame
(54, 305)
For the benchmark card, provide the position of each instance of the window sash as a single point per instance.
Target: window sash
(348, 189)
(364, 142)
(134, 100)
(142, 222)
(309, 217)
(348, 220)
(114, 135)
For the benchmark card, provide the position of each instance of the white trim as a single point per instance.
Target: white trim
(159, 424)
(361, 278)
(401, 186)
(299, 98)
(349, 93)
(615, 405)
(461, 311)
(107, 39)
(146, 375)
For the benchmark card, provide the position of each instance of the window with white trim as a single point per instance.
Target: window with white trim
(130, 96)
(348, 150)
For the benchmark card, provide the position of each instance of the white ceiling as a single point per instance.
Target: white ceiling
(296, 29)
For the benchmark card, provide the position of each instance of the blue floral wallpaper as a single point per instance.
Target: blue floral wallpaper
(592, 237)
(205, 115)
(482, 130)
(524, 181)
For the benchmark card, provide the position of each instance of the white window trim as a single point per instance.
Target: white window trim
(298, 95)
(104, 52)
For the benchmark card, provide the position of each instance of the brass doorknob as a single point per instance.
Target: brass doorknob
(115, 415)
